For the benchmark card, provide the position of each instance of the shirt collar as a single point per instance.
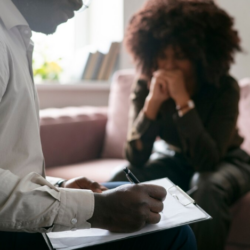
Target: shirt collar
(10, 15)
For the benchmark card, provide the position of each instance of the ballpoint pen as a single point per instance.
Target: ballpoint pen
(130, 176)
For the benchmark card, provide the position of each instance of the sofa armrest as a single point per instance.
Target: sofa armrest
(72, 135)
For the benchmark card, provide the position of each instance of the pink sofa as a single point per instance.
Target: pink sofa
(88, 141)
(72, 141)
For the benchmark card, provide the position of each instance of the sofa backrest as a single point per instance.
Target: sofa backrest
(117, 125)
(119, 102)
(72, 135)
(244, 118)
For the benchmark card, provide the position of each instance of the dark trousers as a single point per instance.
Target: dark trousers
(217, 190)
(181, 238)
(22, 241)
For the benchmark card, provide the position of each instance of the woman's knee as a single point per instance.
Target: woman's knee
(210, 192)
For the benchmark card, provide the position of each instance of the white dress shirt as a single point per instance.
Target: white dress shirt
(28, 202)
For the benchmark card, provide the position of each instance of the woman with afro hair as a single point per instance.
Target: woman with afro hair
(185, 96)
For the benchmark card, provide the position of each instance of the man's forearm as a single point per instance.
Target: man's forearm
(45, 205)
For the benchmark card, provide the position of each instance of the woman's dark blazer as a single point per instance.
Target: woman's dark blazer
(205, 135)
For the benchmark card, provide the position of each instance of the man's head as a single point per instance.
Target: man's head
(45, 15)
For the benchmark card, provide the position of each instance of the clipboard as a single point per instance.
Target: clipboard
(179, 209)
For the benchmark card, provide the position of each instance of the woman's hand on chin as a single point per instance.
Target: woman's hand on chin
(177, 86)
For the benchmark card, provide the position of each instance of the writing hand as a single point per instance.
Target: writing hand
(128, 208)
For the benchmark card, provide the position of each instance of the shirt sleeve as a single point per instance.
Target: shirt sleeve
(142, 131)
(205, 145)
(32, 204)
(4, 69)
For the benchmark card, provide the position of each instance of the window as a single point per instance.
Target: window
(94, 28)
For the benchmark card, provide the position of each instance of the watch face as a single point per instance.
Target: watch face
(191, 104)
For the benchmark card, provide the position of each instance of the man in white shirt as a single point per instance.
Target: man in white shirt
(29, 202)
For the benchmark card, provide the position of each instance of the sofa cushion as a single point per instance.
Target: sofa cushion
(244, 118)
(96, 170)
(71, 135)
(117, 125)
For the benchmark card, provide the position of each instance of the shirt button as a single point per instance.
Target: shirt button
(26, 32)
(74, 221)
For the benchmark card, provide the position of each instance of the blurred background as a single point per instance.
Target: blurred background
(84, 52)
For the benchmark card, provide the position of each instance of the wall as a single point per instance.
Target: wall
(130, 7)
(240, 10)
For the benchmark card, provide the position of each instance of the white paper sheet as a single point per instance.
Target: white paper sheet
(173, 215)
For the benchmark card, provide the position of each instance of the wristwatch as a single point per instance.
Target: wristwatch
(190, 105)
(59, 183)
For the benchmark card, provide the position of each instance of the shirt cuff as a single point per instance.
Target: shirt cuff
(140, 126)
(190, 124)
(76, 207)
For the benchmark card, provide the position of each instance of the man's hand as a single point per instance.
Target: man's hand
(128, 208)
(84, 183)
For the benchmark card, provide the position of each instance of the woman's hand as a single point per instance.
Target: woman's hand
(176, 86)
(159, 91)
(84, 183)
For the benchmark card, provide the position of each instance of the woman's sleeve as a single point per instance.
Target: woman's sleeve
(205, 146)
(142, 131)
